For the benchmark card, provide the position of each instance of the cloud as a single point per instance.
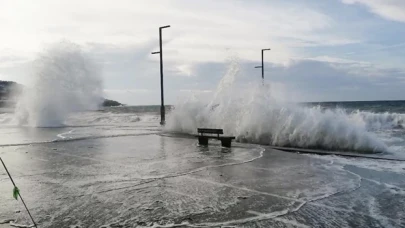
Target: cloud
(389, 9)
(132, 76)
(328, 81)
(306, 80)
(201, 30)
(310, 42)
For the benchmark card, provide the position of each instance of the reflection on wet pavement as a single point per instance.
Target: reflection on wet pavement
(154, 180)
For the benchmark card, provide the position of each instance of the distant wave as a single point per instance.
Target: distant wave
(116, 118)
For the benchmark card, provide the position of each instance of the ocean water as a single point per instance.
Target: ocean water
(381, 121)
(385, 119)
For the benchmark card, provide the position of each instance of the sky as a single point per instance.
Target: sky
(321, 50)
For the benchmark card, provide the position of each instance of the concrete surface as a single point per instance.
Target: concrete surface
(151, 180)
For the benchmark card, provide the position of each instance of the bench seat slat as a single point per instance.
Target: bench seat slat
(215, 137)
(210, 131)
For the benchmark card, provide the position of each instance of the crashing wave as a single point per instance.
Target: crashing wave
(252, 115)
(65, 80)
(379, 121)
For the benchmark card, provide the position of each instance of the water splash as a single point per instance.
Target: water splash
(65, 81)
(252, 114)
(379, 121)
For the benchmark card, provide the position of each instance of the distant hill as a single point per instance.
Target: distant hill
(111, 103)
(10, 90)
(7, 88)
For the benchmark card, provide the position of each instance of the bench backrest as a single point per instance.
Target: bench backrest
(210, 131)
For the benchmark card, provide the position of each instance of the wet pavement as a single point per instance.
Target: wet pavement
(151, 180)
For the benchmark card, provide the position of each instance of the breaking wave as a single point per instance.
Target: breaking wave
(253, 115)
(65, 80)
(379, 121)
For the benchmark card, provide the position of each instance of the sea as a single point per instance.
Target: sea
(372, 127)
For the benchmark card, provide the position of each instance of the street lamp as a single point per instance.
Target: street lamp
(262, 66)
(162, 107)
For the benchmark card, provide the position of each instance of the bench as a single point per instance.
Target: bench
(213, 134)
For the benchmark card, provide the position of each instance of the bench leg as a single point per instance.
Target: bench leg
(203, 141)
(226, 142)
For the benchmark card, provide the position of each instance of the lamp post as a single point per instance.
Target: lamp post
(262, 66)
(162, 107)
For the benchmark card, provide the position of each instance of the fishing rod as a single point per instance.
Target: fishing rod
(16, 193)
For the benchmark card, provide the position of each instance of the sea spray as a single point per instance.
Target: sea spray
(252, 114)
(65, 80)
(379, 121)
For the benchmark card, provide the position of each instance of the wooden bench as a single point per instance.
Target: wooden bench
(213, 134)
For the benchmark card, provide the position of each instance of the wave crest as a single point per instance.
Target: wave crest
(252, 115)
(65, 80)
(379, 121)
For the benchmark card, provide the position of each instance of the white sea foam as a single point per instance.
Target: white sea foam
(379, 121)
(371, 164)
(252, 114)
(102, 118)
(65, 80)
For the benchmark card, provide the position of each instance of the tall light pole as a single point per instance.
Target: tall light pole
(262, 66)
(162, 107)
